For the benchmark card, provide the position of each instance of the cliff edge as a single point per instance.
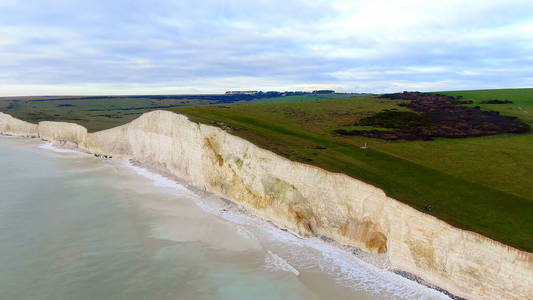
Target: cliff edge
(305, 200)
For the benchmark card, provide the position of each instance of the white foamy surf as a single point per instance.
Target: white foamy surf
(50, 147)
(245, 233)
(159, 180)
(275, 262)
(348, 269)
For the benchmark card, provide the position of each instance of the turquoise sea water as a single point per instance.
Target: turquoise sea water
(76, 227)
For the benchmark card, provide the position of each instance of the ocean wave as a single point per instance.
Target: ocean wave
(246, 233)
(221, 208)
(276, 263)
(49, 146)
(159, 180)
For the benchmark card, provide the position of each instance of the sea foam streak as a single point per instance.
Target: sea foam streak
(159, 180)
(274, 262)
(246, 233)
(48, 146)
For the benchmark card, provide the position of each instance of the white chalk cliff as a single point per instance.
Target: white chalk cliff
(305, 200)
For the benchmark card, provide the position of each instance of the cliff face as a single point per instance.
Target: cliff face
(114, 142)
(309, 201)
(64, 134)
(16, 127)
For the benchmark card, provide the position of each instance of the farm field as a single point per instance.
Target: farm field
(483, 184)
(93, 113)
(103, 112)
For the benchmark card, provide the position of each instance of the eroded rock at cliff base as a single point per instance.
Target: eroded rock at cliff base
(367, 233)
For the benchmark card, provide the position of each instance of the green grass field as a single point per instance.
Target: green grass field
(479, 184)
(97, 113)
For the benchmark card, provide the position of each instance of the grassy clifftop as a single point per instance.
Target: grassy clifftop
(479, 184)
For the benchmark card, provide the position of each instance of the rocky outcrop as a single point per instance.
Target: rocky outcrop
(310, 201)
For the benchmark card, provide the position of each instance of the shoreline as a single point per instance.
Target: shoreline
(358, 253)
(295, 207)
(365, 257)
(368, 258)
(233, 209)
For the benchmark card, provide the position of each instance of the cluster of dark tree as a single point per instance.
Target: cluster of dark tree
(324, 92)
(226, 99)
(434, 115)
(113, 116)
(465, 101)
(496, 101)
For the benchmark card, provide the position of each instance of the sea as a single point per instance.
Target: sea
(73, 226)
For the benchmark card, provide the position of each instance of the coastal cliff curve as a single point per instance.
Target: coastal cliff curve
(306, 200)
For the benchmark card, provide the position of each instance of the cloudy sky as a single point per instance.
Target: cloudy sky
(202, 46)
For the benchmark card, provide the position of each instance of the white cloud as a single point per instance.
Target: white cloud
(209, 46)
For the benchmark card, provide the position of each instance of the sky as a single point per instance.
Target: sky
(70, 47)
